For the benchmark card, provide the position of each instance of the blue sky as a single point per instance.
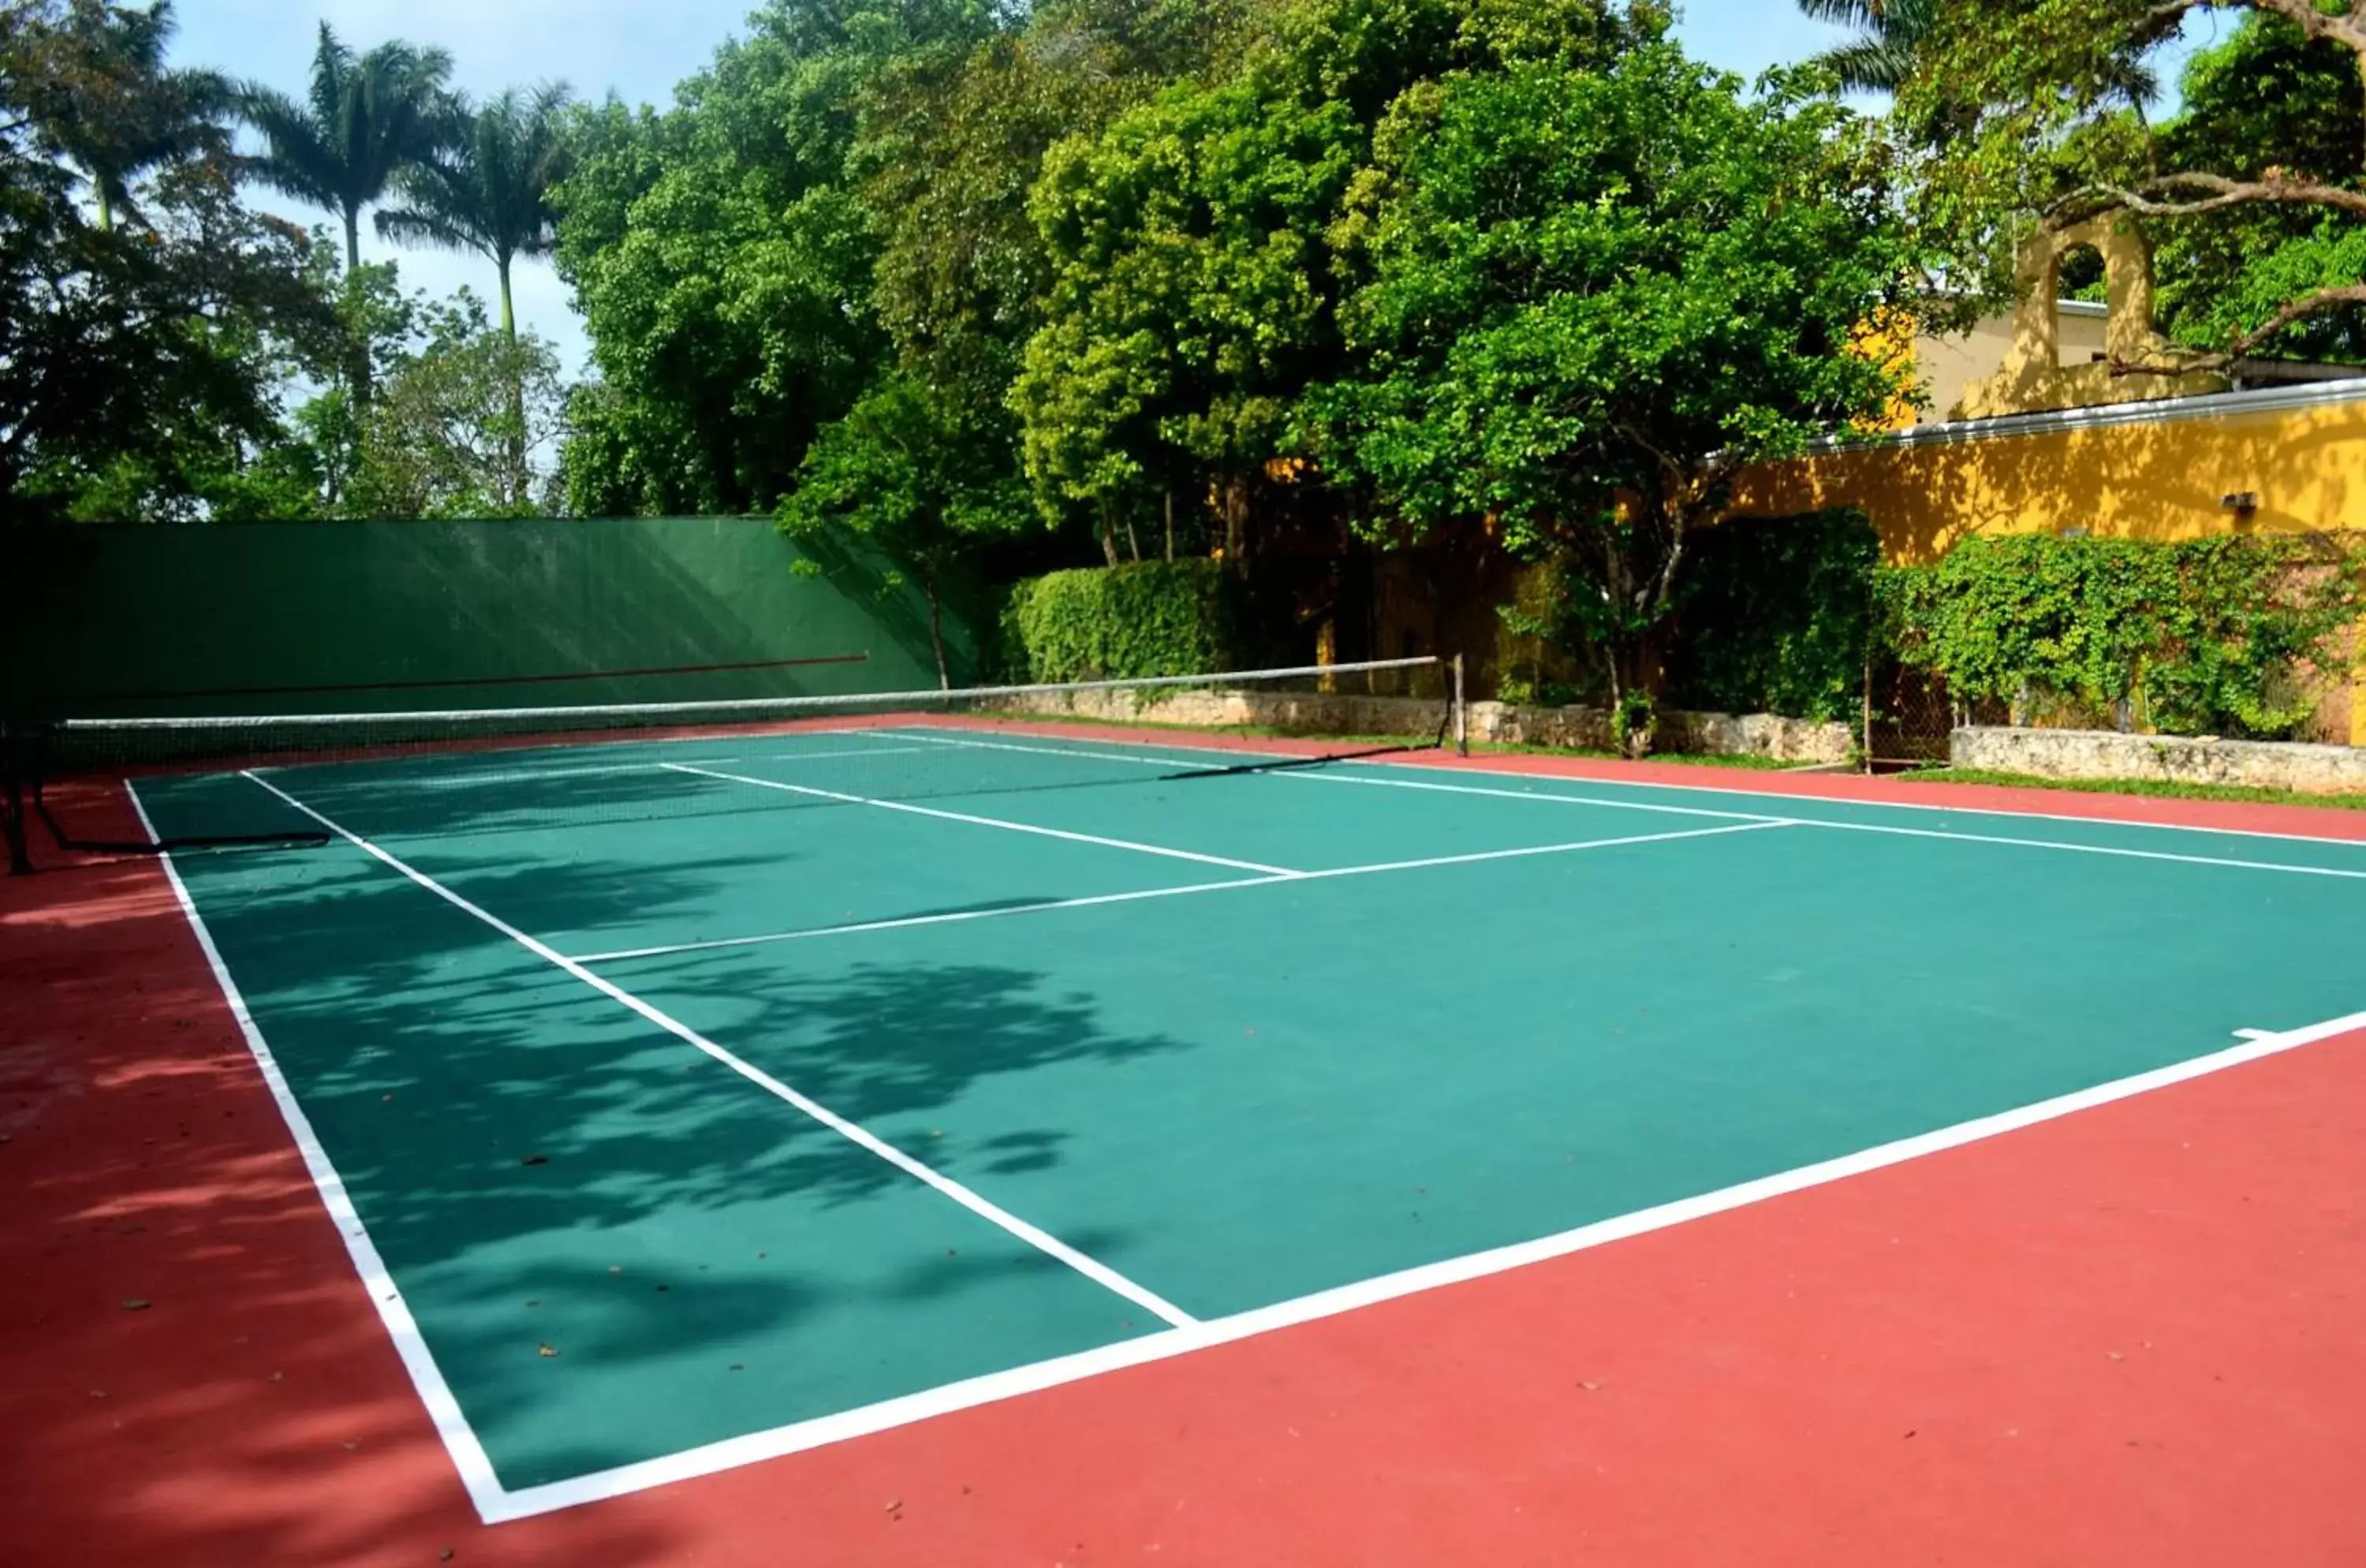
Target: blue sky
(641, 48)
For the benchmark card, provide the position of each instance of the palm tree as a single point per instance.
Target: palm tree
(116, 110)
(365, 120)
(1883, 60)
(489, 190)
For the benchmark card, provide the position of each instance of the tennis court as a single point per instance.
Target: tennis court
(696, 1099)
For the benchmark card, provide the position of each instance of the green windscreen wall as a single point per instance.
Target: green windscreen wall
(267, 618)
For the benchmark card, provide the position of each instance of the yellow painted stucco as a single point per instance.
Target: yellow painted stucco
(2139, 480)
(2162, 474)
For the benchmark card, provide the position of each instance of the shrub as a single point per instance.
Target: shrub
(1121, 623)
(1775, 616)
(2220, 637)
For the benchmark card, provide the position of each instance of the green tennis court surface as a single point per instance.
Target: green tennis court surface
(683, 1108)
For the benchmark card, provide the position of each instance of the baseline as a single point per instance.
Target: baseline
(757, 1447)
(986, 1209)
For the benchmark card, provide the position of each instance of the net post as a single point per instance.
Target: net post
(15, 758)
(1461, 713)
(1865, 743)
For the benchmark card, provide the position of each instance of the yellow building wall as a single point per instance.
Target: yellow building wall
(2159, 472)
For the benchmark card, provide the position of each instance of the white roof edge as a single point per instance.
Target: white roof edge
(2159, 411)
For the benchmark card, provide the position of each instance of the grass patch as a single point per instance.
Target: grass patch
(2154, 787)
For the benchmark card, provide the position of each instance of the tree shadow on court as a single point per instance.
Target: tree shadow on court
(454, 795)
(253, 1409)
(533, 1159)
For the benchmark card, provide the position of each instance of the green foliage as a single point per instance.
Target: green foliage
(1776, 617)
(1591, 295)
(906, 473)
(365, 118)
(1196, 283)
(1121, 623)
(455, 425)
(722, 256)
(138, 356)
(2212, 637)
(952, 139)
(2032, 112)
(488, 189)
(102, 98)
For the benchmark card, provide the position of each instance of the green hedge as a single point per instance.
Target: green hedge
(1774, 616)
(1119, 623)
(2212, 638)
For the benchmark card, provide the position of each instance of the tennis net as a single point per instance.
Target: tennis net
(294, 778)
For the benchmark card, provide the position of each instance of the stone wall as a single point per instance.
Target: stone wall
(1574, 729)
(2106, 754)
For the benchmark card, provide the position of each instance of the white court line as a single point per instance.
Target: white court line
(1043, 1241)
(798, 1436)
(824, 756)
(1318, 776)
(1549, 797)
(469, 1456)
(1466, 768)
(2065, 847)
(953, 916)
(1008, 827)
(1894, 829)
(491, 776)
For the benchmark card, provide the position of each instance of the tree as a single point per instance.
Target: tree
(2268, 97)
(366, 118)
(1196, 288)
(2037, 97)
(455, 426)
(488, 189)
(953, 138)
(138, 370)
(722, 256)
(905, 473)
(108, 105)
(1589, 297)
(1883, 60)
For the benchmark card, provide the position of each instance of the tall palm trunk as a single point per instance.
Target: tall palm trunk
(359, 368)
(517, 398)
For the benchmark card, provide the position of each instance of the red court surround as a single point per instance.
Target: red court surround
(2129, 1337)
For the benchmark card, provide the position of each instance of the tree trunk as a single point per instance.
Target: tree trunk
(1235, 503)
(937, 629)
(521, 482)
(1133, 538)
(359, 369)
(1170, 522)
(1109, 538)
(1637, 664)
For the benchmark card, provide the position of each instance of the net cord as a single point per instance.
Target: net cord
(739, 705)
